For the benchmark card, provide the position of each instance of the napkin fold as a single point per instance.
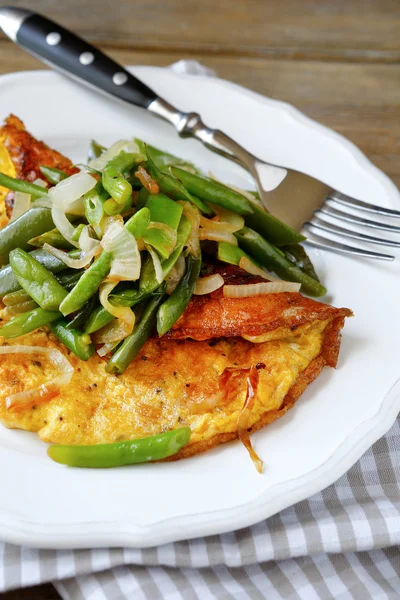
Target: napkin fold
(341, 543)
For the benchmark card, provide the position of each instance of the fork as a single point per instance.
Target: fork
(306, 204)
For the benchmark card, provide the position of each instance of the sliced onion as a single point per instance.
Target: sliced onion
(247, 265)
(175, 275)
(206, 285)
(66, 228)
(121, 145)
(46, 391)
(260, 289)
(106, 348)
(147, 181)
(156, 262)
(170, 233)
(193, 214)
(226, 215)
(222, 225)
(243, 422)
(71, 188)
(40, 182)
(22, 203)
(86, 242)
(43, 202)
(217, 236)
(122, 244)
(72, 263)
(125, 316)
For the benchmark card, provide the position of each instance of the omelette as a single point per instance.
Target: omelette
(228, 367)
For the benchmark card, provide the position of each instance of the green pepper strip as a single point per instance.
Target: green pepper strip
(210, 191)
(274, 260)
(148, 281)
(27, 322)
(232, 254)
(18, 185)
(95, 150)
(76, 341)
(132, 345)
(8, 281)
(52, 237)
(93, 202)
(114, 181)
(87, 285)
(174, 307)
(130, 452)
(35, 279)
(54, 176)
(137, 224)
(166, 211)
(18, 233)
(173, 187)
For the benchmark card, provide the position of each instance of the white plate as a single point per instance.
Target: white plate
(339, 416)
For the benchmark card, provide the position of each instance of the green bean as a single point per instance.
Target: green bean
(272, 229)
(175, 305)
(28, 322)
(213, 192)
(172, 186)
(114, 181)
(137, 224)
(8, 281)
(101, 317)
(163, 158)
(132, 345)
(274, 260)
(76, 341)
(118, 454)
(298, 255)
(35, 279)
(54, 176)
(87, 285)
(15, 298)
(70, 278)
(18, 233)
(52, 237)
(95, 150)
(23, 307)
(81, 317)
(18, 185)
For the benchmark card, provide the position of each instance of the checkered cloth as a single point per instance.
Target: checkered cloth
(340, 544)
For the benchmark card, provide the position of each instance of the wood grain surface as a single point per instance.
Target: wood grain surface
(336, 60)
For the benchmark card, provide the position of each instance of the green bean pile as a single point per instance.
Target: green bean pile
(159, 200)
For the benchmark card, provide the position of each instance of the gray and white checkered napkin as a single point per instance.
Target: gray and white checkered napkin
(342, 543)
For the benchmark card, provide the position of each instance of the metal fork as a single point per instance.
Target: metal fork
(301, 201)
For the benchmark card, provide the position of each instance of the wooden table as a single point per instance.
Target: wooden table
(336, 60)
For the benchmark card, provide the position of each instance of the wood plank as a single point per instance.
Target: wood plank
(361, 101)
(312, 29)
(39, 592)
